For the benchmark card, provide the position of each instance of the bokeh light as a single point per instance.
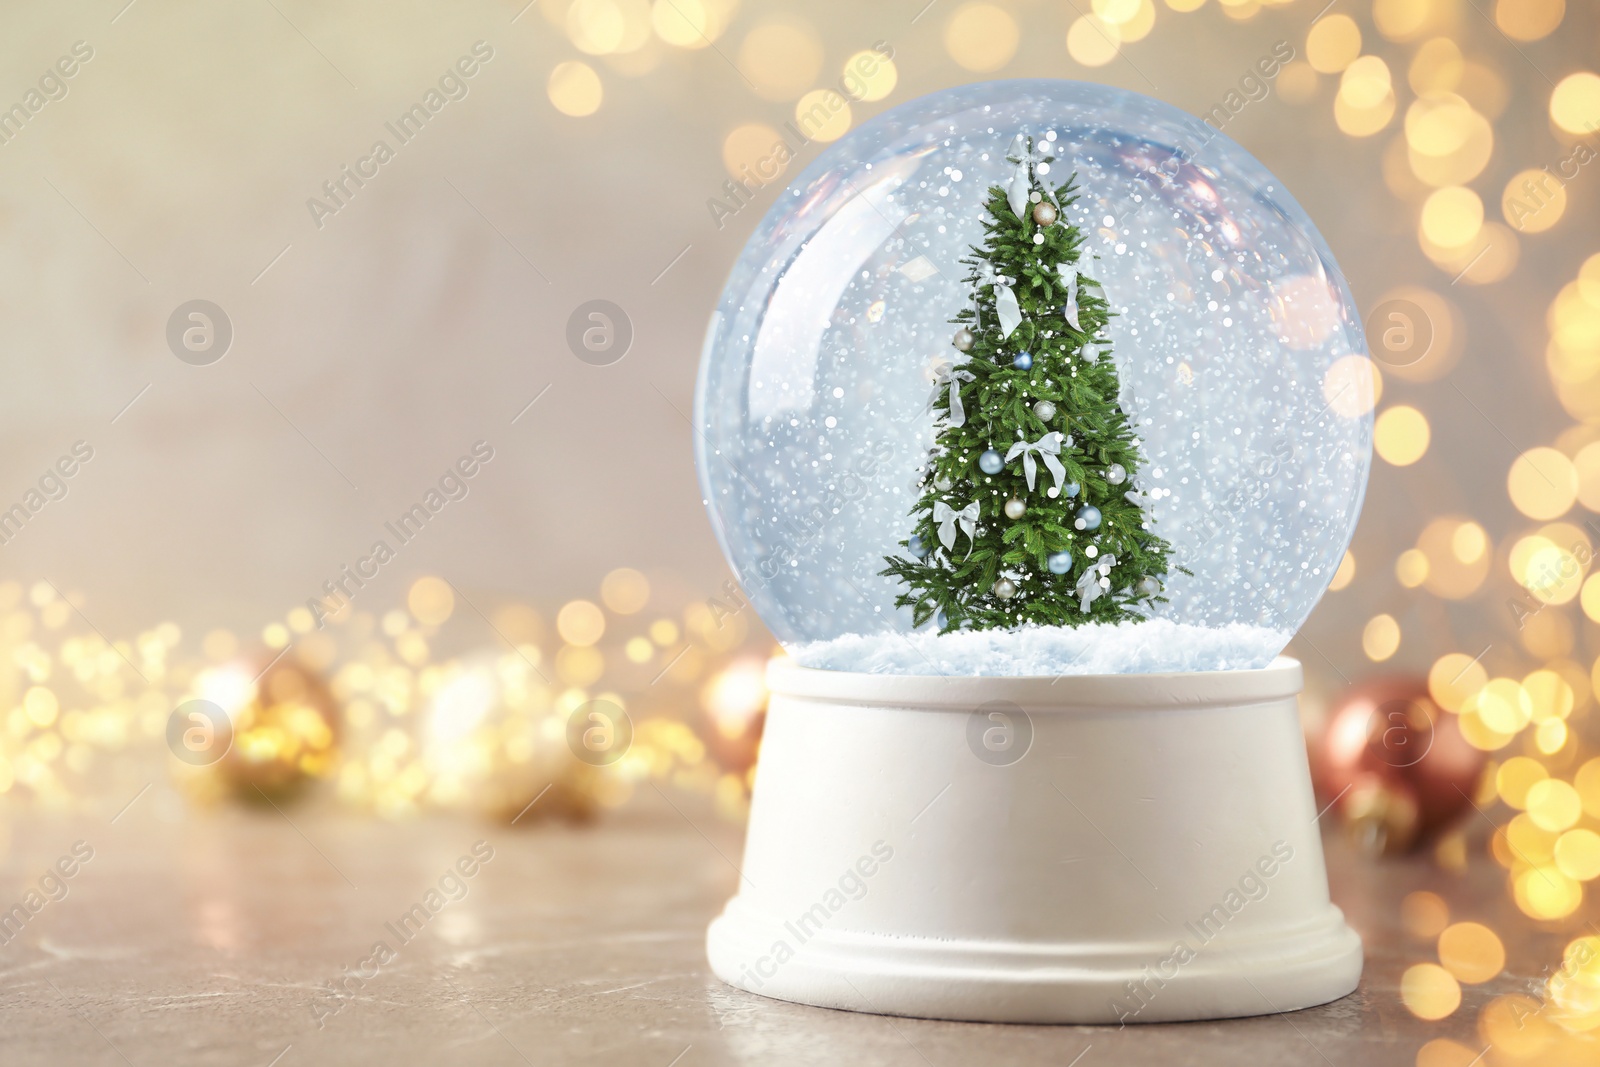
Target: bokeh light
(574, 88)
(1575, 103)
(981, 37)
(1429, 991)
(1401, 435)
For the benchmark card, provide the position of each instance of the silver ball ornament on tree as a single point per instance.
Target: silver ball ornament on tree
(1045, 410)
(1044, 213)
(1015, 508)
(1116, 474)
(963, 340)
(1005, 589)
(1147, 587)
(942, 482)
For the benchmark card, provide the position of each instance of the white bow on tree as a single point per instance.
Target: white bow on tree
(1069, 278)
(1095, 582)
(1046, 448)
(1005, 300)
(948, 517)
(1027, 154)
(951, 374)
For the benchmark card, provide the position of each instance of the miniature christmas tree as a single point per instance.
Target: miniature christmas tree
(1028, 510)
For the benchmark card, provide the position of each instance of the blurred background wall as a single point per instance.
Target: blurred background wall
(381, 328)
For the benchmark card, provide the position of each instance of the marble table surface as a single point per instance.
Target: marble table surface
(247, 937)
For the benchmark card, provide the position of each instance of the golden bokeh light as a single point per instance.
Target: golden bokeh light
(1550, 564)
(1437, 66)
(1424, 914)
(1458, 556)
(1118, 11)
(1138, 27)
(1550, 736)
(574, 88)
(1451, 216)
(603, 27)
(580, 622)
(981, 37)
(1544, 892)
(431, 600)
(1533, 201)
(1366, 100)
(1587, 783)
(1575, 103)
(823, 115)
(1401, 435)
(1577, 854)
(869, 76)
(1552, 694)
(1589, 281)
(1185, 5)
(1411, 569)
(1093, 41)
(1406, 20)
(1517, 775)
(755, 151)
(1554, 805)
(780, 59)
(1502, 706)
(1543, 483)
(1345, 573)
(1429, 991)
(1380, 639)
(1443, 1052)
(1333, 44)
(1297, 82)
(1588, 466)
(1469, 542)
(625, 591)
(691, 23)
(1489, 257)
(1448, 142)
(1528, 20)
(1471, 952)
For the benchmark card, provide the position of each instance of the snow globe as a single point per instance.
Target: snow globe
(1034, 420)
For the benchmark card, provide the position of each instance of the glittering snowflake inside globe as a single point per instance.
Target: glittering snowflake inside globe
(1164, 381)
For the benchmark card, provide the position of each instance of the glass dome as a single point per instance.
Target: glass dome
(1237, 349)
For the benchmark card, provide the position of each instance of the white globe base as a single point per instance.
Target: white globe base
(1115, 848)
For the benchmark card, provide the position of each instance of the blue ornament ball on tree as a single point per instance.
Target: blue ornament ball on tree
(1088, 518)
(991, 462)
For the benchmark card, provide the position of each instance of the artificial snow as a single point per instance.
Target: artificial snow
(1149, 646)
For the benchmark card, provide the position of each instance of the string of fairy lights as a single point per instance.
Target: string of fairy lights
(366, 710)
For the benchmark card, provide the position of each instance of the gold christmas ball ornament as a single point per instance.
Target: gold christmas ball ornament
(963, 340)
(1005, 589)
(1015, 509)
(1044, 213)
(264, 731)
